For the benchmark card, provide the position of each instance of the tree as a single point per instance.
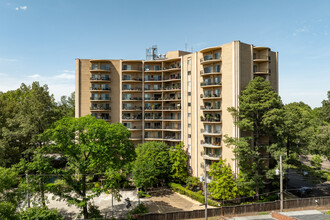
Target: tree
(27, 112)
(10, 195)
(178, 159)
(223, 185)
(40, 213)
(91, 148)
(251, 149)
(66, 106)
(152, 165)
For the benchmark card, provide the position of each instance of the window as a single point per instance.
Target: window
(126, 87)
(255, 68)
(147, 87)
(94, 96)
(105, 87)
(217, 68)
(147, 134)
(179, 95)
(127, 67)
(127, 77)
(189, 104)
(217, 105)
(189, 73)
(157, 87)
(217, 55)
(189, 93)
(208, 57)
(189, 61)
(157, 68)
(208, 128)
(189, 83)
(147, 67)
(147, 96)
(189, 115)
(207, 69)
(217, 80)
(218, 129)
(95, 66)
(105, 97)
(254, 56)
(127, 96)
(189, 135)
(127, 124)
(105, 66)
(94, 86)
(105, 77)
(189, 125)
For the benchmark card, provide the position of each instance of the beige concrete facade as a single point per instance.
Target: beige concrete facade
(180, 98)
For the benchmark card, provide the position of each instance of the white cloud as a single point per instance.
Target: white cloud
(24, 8)
(68, 71)
(65, 76)
(34, 76)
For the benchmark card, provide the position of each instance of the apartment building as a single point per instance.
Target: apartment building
(182, 97)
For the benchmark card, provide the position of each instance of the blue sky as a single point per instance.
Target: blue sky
(40, 39)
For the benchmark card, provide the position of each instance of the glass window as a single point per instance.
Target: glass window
(147, 67)
(189, 61)
(157, 68)
(218, 129)
(189, 93)
(179, 95)
(189, 115)
(217, 92)
(105, 66)
(127, 96)
(147, 134)
(217, 152)
(217, 55)
(217, 105)
(127, 124)
(105, 87)
(147, 96)
(94, 96)
(126, 87)
(255, 69)
(217, 68)
(157, 87)
(189, 125)
(189, 103)
(207, 69)
(189, 73)
(147, 87)
(208, 93)
(105, 97)
(217, 80)
(208, 128)
(95, 66)
(127, 67)
(127, 77)
(208, 57)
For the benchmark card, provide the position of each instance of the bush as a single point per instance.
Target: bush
(193, 183)
(40, 213)
(200, 198)
(316, 162)
(7, 211)
(142, 194)
(140, 209)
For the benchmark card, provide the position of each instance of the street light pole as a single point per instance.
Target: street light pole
(281, 184)
(205, 184)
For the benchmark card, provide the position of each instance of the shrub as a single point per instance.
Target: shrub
(40, 213)
(140, 209)
(316, 161)
(200, 198)
(142, 194)
(193, 183)
(7, 211)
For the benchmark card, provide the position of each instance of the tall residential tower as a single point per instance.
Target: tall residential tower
(182, 97)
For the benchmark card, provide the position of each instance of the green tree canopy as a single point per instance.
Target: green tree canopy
(223, 185)
(152, 165)
(250, 150)
(91, 147)
(178, 159)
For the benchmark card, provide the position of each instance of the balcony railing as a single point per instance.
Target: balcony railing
(210, 83)
(103, 117)
(152, 79)
(149, 89)
(153, 108)
(210, 107)
(153, 127)
(100, 78)
(100, 68)
(132, 99)
(210, 96)
(132, 89)
(173, 127)
(206, 73)
(100, 89)
(133, 117)
(173, 78)
(100, 98)
(153, 98)
(100, 108)
(132, 79)
(172, 118)
(153, 117)
(210, 131)
(172, 138)
(155, 137)
(215, 144)
(210, 119)
(132, 108)
(172, 108)
(172, 87)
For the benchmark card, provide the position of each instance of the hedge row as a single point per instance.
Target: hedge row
(196, 196)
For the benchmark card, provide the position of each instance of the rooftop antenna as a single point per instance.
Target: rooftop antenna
(151, 53)
(185, 46)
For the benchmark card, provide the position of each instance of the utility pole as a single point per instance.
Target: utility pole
(205, 184)
(281, 184)
(27, 190)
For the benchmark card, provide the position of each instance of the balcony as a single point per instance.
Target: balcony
(214, 132)
(135, 128)
(136, 138)
(100, 98)
(209, 60)
(211, 144)
(210, 118)
(100, 79)
(173, 67)
(261, 59)
(134, 99)
(172, 108)
(152, 90)
(214, 96)
(132, 69)
(173, 78)
(150, 79)
(98, 69)
(210, 84)
(100, 109)
(132, 89)
(152, 118)
(209, 156)
(100, 89)
(106, 118)
(132, 118)
(173, 99)
(172, 88)
(153, 108)
(153, 99)
(135, 108)
(202, 73)
(172, 128)
(172, 138)
(172, 119)
(153, 127)
(148, 138)
(261, 72)
(132, 79)
(210, 108)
